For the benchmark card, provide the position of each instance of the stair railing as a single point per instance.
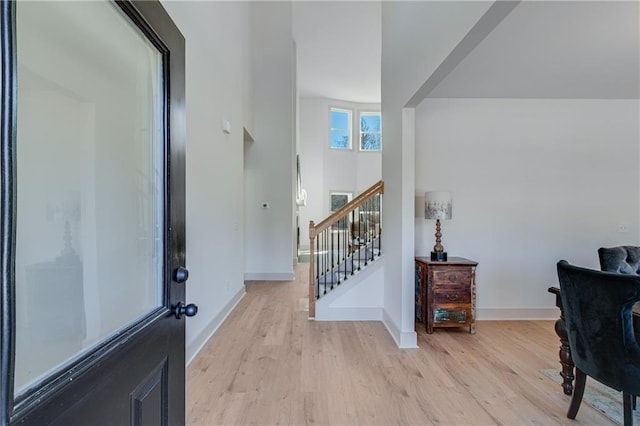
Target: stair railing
(344, 243)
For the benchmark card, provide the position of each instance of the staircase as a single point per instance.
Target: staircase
(345, 243)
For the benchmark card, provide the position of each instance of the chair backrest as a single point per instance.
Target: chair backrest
(597, 310)
(622, 259)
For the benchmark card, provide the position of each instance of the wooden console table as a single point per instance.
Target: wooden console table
(566, 361)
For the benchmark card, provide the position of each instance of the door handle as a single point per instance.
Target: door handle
(181, 274)
(189, 310)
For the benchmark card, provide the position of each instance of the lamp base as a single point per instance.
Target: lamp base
(440, 256)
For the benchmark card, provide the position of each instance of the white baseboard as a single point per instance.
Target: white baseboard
(517, 313)
(203, 337)
(275, 276)
(404, 340)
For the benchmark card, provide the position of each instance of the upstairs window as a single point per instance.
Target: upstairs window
(340, 128)
(370, 131)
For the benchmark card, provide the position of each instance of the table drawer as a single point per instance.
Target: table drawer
(447, 277)
(452, 295)
(451, 316)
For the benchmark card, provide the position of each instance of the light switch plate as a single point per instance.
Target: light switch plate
(226, 126)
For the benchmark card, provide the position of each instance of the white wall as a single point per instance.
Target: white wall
(215, 90)
(407, 62)
(324, 169)
(270, 160)
(533, 181)
(314, 136)
(360, 298)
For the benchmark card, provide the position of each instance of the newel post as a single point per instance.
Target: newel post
(312, 290)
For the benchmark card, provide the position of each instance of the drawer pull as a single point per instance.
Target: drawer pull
(452, 297)
(453, 278)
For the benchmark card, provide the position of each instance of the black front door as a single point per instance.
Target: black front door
(93, 208)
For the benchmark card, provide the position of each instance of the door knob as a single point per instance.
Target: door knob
(181, 274)
(189, 310)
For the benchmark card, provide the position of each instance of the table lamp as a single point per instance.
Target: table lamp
(438, 206)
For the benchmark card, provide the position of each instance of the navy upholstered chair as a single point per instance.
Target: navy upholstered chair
(597, 309)
(622, 259)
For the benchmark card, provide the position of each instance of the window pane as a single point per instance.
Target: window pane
(338, 200)
(370, 123)
(90, 181)
(339, 119)
(339, 139)
(370, 135)
(370, 141)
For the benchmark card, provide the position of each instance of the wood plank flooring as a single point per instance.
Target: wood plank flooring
(268, 364)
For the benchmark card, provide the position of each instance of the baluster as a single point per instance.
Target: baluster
(352, 239)
(325, 261)
(359, 239)
(325, 242)
(365, 221)
(321, 255)
(327, 235)
(339, 231)
(362, 235)
(371, 230)
(344, 239)
(332, 270)
(317, 267)
(379, 224)
(346, 244)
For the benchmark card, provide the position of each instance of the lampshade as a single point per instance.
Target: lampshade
(437, 205)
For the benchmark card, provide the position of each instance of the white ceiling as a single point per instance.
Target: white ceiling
(338, 49)
(542, 49)
(553, 49)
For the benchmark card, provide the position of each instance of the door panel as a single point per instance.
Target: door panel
(148, 400)
(110, 391)
(93, 191)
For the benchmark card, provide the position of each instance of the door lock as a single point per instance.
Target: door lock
(181, 274)
(189, 310)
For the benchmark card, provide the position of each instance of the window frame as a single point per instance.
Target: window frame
(349, 130)
(360, 132)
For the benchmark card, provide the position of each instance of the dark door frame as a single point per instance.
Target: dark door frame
(7, 207)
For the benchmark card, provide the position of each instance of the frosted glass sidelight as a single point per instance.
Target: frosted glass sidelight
(90, 182)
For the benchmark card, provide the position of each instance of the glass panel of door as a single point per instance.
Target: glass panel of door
(90, 185)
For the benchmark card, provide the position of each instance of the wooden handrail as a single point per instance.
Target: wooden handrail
(377, 188)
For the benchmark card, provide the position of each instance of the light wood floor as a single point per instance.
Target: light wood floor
(268, 364)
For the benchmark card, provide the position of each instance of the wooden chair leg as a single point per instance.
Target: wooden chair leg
(633, 406)
(578, 391)
(626, 403)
